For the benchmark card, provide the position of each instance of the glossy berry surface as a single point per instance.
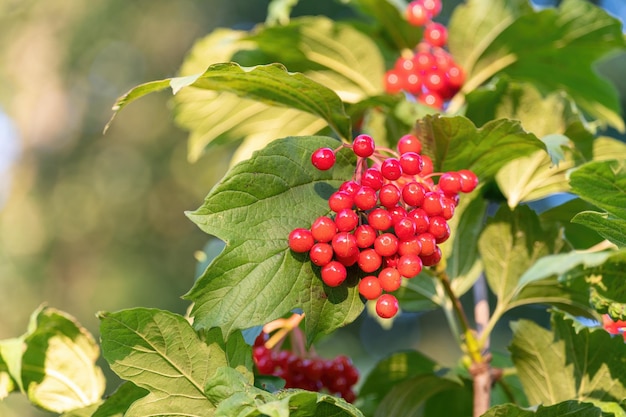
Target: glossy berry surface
(323, 159)
(387, 306)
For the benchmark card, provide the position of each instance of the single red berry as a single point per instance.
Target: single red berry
(379, 219)
(404, 66)
(411, 163)
(334, 273)
(432, 205)
(455, 76)
(369, 287)
(323, 229)
(390, 279)
(421, 219)
(363, 146)
(447, 209)
(346, 220)
(413, 194)
(387, 306)
(350, 187)
(344, 245)
(340, 200)
(416, 13)
(450, 183)
(431, 99)
(439, 229)
(389, 195)
(386, 244)
(369, 260)
(435, 82)
(348, 260)
(428, 243)
(365, 236)
(432, 6)
(433, 258)
(409, 265)
(393, 82)
(409, 143)
(410, 246)
(404, 228)
(372, 178)
(413, 83)
(321, 254)
(365, 198)
(397, 213)
(323, 159)
(424, 61)
(301, 240)
(469, 180)
(435, 34)
(428, 166)
(391, 169)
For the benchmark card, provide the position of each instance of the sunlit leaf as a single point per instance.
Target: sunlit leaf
(160, 352)
(564, 363)
(565, 408)
(257, 278)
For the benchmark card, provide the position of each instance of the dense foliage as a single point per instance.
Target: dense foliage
(546, 224)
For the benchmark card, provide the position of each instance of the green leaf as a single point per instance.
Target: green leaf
(608, 285)
(160, 352)
(553, 48)
(270, 84)
(454, 143)
(603, 183)
(118, 403)
(257, 278)
(59, 371)
(238, 352)
(11, 366)
(564, 363)
(82, 412)
(512, 242)
(576, 235)
(565, 408)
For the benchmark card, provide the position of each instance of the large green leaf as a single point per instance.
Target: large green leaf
(58, 368)
(257, 278)
(160, 352)
(553, 48)
(270, 84)
(565, 408)
(604, 185)
(118, 403)
(565, 363)
(454, 143)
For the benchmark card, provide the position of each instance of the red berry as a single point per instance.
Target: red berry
(389, 195)
(413, 194)
(469, 180)
(416, 13)
(404, 228)
(369, 287)
(409, 265)
(435, 82)
(323, 229)
(450, 182)
(404, 66)
(350, 187)
(424, 61)
(365, 236)
(348, 260)
(413, 83)
(421, 219)
(346, 220)
(372, 178)
(379, 219)
(431, 99)
(344, 245)
(428, 243)
(390, 279)
(433, 258)
(340, 200)
(447, 209)
(369, 260)
(428, 166)
(439, 229)
(363, 146)
(397, 213)
(433, 204)
(321, 254)
(435, 34)
(386, 244)
(432, 6)
(333, 273)
(393, 82)
(323, 159)
(365, 198)
(411, 163)
(387, 306)
(391, 169)
(455, 76)
(409, 143)
(301, 240)
(410, 246)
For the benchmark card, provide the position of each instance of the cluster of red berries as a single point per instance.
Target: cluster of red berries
(429, 73)
(388, 220)
(337, 376)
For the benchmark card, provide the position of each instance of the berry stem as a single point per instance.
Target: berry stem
(284, 326)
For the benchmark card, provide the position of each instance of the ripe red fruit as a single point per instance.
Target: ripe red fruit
(393, 82)
(455, 76)
(424, 61)
(387, 306)
(410, 246)
(365, 198)
(363, 146)
(432, 6)
(404, 228)
(372, 178)
(369, 287)
(321, 254)
(469, 180)
(346, 220)
(409, 265)
(433, 204)
(323, 159)
(435, 34)
(390, 279)
(433, 258)
(439, 229)
(450, 183)
(344, 245)
(301, 240)
(369, 260)
(323, 229)
(428, 243)
(334, 273)
(348, 260)
(389, 195)
(411, 163)
(379, 219)
(386, 244)
(340, 200)
(416, 13)
(422, 221)
(350, 187)
(409, 143)
(413, 194)
(428, 166)
(431, 99)
(391, 169)
(397, 213)
(365, 236)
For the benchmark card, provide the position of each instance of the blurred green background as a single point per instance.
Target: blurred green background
(93, 222)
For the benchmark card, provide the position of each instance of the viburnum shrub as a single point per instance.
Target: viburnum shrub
(352, 209)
